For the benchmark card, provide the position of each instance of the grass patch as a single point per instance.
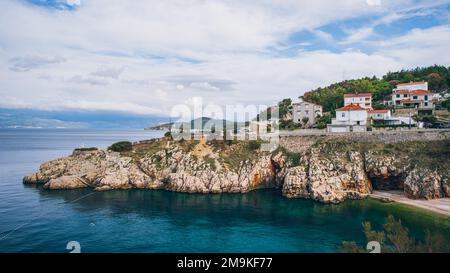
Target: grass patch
(294, 158)
(210, 161)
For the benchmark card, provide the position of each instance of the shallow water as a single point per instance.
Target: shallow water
(37, 220)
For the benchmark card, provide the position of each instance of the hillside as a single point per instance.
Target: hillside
(331, 97)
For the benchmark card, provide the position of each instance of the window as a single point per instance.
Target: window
(398, 96)
(343, 114)
(414, 97)
(405, 95)
(425, 103)
(367, 98)
(426, 97)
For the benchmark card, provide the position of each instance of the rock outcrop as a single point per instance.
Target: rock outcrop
(330, 179)
(326, 173)
(170, 168)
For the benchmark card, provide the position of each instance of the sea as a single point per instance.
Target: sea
(33, 219)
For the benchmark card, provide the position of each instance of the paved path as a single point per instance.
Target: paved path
(441, 206)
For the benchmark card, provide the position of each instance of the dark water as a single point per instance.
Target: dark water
(35, 220)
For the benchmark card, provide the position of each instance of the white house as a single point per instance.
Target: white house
(364, 100)
(384, 114)
(413, 95)
(350, 118)
(412, 86)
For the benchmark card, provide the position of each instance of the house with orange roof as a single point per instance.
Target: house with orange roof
(413, 95)
(350, 118)
(383, 114)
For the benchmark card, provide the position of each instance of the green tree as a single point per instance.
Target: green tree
(284, 107)
(305, 120)
(396, 238)
(446, 104)
(322, 121)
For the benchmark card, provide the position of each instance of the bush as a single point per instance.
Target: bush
(321, 122)
(426, 118)
(396, 238)
(86, 149)
(254, 145)
(321, 125)
(168, 134)
(122, 146)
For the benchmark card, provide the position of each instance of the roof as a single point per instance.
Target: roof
(357, 95)
(402, 92)
(306, 102)
(420, 92)
(412, 92)
(351, 107)
(383, 111)
(410, 83)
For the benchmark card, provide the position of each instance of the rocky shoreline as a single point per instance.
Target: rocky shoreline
(328, 171)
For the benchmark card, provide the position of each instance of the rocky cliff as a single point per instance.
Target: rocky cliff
(327, 171)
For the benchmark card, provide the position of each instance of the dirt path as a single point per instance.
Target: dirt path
(441, 206)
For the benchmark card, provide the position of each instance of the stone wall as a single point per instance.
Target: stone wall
(299, 143)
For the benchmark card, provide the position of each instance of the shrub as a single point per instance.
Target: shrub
(254, 145)
(122, 146)
(396, 238)
(168, 134)
(321, 125)
(86, 149)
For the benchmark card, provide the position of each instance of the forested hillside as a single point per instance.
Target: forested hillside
(331, 97)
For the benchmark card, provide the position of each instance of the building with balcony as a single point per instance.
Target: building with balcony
(364, 100)
(413, 95)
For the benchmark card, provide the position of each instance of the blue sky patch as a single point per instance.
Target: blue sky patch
(55, 4)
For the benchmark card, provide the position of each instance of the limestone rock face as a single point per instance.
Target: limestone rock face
(296, 183)
(387, 172)
(422, 183)
(329, 179)
(170, 169)
(329, 174)
(183, 172)
(66, 182)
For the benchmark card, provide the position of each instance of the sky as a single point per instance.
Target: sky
(141, 57)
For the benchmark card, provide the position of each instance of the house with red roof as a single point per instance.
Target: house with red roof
(364, 100)
(350, 118)
(383, 114)
(413, 95)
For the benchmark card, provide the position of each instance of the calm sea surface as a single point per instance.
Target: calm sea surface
(36, 220)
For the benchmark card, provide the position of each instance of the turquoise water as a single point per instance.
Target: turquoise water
(36, 220)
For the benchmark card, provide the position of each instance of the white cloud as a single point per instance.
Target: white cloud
(199, 47)
(358, 35)
(108, 72)
(22, 64)
(204, 86)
